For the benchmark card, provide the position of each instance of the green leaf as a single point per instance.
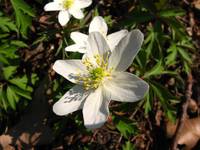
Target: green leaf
(164, 96)
(9, 51)
(9, 71)
(12, 97)
(171, 58)
(170, 114)
(21, 83)
(128, 146)
(141, 59)
(171, 12)
(125, 127)
(23, 14)
(3, 60)
(186, 67)
(23, 93)
(177, 27)
(148, 101)
(20, 44)
(7, 25)
(184, 54)
(3, 98)
(156, 70)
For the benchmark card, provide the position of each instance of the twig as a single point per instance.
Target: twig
(184, 111)
(118, 142)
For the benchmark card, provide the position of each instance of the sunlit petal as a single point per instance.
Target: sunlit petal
(82, 3)
(95, 109)
(76, 13)
(126, 87)
(79, 38)
(63, 17)
(98, 24)
(76, 48)
(69, 69)
(72, 100)
(114, 38)
(124, 53)
(52, 6)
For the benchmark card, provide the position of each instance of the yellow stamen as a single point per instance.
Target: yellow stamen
(67, 4)
(97, 72)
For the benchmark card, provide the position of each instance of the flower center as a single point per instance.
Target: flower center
(96, 72)
(67, 3)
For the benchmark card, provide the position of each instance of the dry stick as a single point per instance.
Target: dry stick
(184, 111)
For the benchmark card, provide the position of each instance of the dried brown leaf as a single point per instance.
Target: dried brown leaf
(189, 134)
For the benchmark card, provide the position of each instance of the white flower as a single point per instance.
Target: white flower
(67, 8)
(100, 77)
(98, 24)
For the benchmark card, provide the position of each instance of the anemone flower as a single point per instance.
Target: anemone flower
(100, 77)
(67, 8)
(98, 24)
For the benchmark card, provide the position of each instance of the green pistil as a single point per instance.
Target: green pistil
(97, 73)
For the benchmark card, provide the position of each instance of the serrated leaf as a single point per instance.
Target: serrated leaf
(9, 51)
(20, 44)
(12, 97)
(4, 35)
(184, 54)
(171, 115)
(148, 101)
(7, 25)
(128, 146)
(171, 57)
(164, 96)
(23, 93)
(141, 59)
(177, 27)
(3, 98)
(171, 12)
(156, 70)
(21, 83)
(23, 14)
(9, 71)
(125, 128)
(34, 78)
(186, 67)
(3, 60)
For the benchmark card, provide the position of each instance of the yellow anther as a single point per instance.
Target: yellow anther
(96, 72)
(67, 4)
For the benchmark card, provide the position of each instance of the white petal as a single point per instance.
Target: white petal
(52, 6)
(97, 45)
(76, 48)
(69, 69)
(114, 38)
(98, 24)
(82, 3)
(124, 53)
(79, 38)
(77, 13)
(95, 109)
(63, 17)
(126, 87)
(72, 100)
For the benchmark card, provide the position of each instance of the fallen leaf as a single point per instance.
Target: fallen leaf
(189, 134)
